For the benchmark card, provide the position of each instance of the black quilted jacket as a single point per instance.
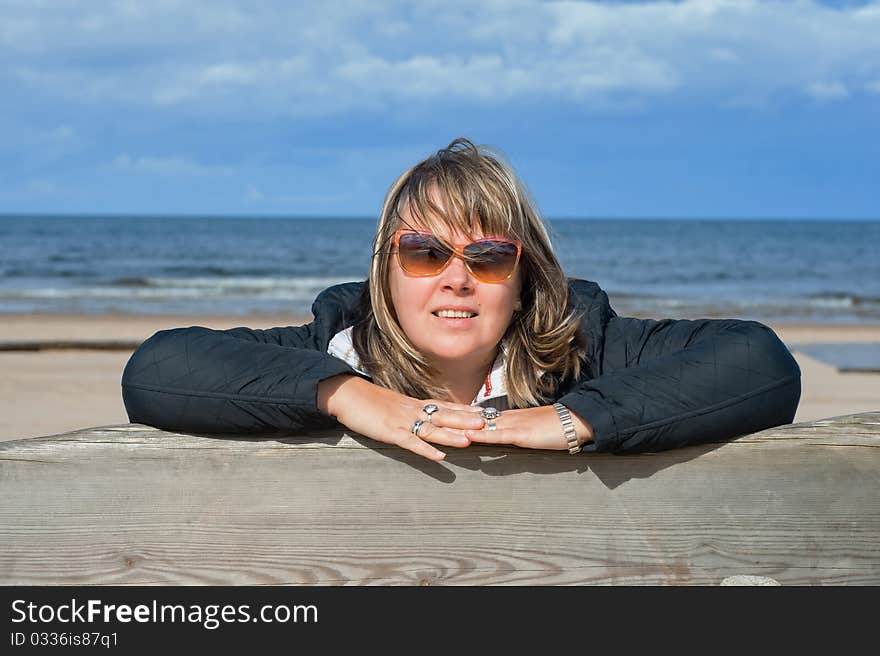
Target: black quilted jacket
(649, 385)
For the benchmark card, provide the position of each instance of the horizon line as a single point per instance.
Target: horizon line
(361, 217)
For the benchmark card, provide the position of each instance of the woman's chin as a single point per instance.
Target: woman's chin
(456, 353)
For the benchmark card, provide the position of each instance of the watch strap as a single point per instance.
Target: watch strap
(568, 430)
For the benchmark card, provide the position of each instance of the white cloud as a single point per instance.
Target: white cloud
(221, 56)
(827, 91)
(57, 141)
(167, 166)
(221, 80)
(723, 55)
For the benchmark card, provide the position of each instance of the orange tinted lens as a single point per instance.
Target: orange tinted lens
(491, 260)
(422, 255)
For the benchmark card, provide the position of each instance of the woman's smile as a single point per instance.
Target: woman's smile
(456, 317)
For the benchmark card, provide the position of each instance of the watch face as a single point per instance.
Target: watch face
(490, 413)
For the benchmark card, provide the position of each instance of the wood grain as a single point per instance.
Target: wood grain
(129, 504)
(69, 345)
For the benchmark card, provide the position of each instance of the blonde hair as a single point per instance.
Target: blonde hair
(480, 191)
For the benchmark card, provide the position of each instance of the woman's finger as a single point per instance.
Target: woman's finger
(439, 435)
(459, 407)
(457, 419)
(421, 448)
(497, 436)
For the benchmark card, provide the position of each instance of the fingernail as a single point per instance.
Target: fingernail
(439, 454)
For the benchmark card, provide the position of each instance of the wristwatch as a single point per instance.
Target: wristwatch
(568, 430)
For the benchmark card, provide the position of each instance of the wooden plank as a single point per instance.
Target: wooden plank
(69, 345)
(130, 504)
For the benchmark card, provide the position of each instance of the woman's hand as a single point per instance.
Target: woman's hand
(532, 428)
(387, 416)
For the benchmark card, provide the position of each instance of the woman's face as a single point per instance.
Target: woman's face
(453, 341)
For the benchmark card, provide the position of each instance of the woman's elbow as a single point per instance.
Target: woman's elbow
(141, 381)
(778, 371)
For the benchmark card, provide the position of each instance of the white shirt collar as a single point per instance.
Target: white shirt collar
(342, 347)
(493, 388)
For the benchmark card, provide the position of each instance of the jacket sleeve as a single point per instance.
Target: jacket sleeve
(239, 380)
(671, 383)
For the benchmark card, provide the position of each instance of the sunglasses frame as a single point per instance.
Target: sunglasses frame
(457, 251)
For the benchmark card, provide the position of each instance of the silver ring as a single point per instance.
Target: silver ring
(490, 425)
(416, 426)
(429, 410)
(490, 413)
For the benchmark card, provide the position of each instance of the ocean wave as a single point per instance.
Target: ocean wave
(843, 299)
(47, 273)
(132, 282)
(67, 257)
(234, 293)
(303, 290)
(294, 289)
(791, 308)
(230, 284)
(215, 270)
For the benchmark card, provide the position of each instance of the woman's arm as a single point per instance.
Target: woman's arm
(671, 383)
(239, 380)
(667, 384)
(247, 381)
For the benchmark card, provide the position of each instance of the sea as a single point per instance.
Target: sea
(766, 270)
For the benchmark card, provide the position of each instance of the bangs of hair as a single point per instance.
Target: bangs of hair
(479, 197)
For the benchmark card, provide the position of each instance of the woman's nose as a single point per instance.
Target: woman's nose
(457, 274)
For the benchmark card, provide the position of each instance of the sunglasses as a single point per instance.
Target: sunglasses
(492, 259)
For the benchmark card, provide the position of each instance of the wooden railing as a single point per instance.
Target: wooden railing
(115, 505)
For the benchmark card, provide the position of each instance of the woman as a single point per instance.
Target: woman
(468, 331)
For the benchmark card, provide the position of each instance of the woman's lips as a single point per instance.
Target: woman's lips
(447, 311)
(455, 322)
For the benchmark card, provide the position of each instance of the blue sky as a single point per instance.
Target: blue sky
(701, 108)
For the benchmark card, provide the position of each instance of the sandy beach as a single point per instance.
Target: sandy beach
(47, 392)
